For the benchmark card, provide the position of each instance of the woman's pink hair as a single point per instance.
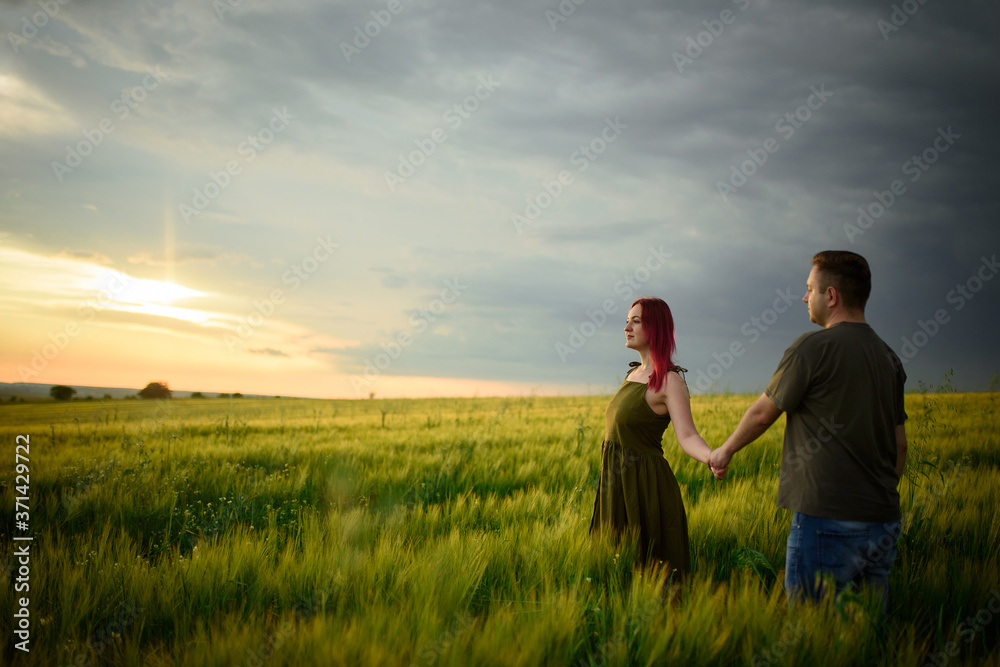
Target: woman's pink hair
(658, 324)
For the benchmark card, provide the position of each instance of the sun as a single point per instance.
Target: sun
(141, 291)
(153, 297)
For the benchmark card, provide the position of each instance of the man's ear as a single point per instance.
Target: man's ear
(832, 295)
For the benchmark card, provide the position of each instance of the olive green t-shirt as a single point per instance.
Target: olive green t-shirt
(842, 391)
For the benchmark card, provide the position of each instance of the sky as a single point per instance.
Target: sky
(421, 198)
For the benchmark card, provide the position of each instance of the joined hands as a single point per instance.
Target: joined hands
(718, 462)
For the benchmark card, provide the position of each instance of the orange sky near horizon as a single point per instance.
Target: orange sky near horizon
(84, 323)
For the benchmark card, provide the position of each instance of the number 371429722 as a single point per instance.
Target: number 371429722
(23, 479)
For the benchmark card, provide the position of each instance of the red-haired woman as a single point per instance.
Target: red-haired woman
(637, 488)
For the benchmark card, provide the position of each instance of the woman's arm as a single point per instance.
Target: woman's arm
(678, 403)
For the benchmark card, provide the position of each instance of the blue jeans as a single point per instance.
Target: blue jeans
(853, 552)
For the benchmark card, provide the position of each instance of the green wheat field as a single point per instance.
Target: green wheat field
(455, 532)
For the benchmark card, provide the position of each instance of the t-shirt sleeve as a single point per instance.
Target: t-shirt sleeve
(790, 381)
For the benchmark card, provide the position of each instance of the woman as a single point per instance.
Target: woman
(637, 487)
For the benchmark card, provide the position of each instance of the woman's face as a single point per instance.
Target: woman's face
(635, 335)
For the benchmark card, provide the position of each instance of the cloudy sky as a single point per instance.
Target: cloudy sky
(414, 197)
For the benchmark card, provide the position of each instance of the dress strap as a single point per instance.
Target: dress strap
(681, 371)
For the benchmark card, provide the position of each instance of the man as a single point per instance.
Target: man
(845, 442)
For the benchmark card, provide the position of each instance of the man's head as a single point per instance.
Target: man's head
(838, 287)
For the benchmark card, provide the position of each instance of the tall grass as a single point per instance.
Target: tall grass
(455, 532)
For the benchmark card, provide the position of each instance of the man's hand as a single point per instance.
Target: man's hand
(718, 462)
(719, 473)
(757, 419)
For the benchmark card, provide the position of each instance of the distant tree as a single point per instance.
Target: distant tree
(62, 392)
(197, 394)
(237, 395)
(13, 399)
(156, 390)
(107, 397)
(223, 396)
(88, 397)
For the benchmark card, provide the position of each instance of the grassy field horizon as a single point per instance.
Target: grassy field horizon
(453, 532)
(7, 395)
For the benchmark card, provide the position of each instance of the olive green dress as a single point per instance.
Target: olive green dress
(637, 488)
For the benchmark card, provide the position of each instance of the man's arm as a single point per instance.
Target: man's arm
(900, 450)
(757, 419)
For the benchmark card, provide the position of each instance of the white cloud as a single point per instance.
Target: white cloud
(26, 110)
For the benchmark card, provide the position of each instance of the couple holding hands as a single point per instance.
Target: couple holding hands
(844, 446)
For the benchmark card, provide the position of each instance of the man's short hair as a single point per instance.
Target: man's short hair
(848, 273)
